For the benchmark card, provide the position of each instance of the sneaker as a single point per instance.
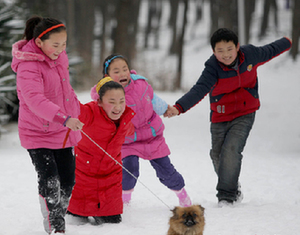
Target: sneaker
(225, 203)
(229, 202)
(184, 199)
(59, 231)
(113, 219)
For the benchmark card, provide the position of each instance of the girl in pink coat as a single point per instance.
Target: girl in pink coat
(48, 108)
(148, 141)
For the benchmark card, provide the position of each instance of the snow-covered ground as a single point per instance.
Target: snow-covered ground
(270, 173)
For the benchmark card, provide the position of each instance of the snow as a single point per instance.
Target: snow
(270, 176)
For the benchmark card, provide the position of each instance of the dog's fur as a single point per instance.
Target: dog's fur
(187, 221)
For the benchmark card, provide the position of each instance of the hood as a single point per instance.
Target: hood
(25, 51)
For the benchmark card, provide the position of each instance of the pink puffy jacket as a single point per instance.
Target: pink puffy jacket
(148, 141)
(46, 97)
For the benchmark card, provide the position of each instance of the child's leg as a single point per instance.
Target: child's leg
(65, 161)
(167, 173)
(171, 178)
(49, 186)
(131, 163)
(228, 142)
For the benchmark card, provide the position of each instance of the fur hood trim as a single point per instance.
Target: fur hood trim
(24, 55)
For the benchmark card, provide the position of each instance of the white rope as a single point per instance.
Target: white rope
(124, 168)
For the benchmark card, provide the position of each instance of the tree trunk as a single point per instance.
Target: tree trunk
(85, 21)
(214, 12)
(268, 4)
(173, 23)
(70, 24)
(125, 34)
(103, 4)
(295, 29)
(249, 9)
(177, 83)
(153, 21)
(224, 15)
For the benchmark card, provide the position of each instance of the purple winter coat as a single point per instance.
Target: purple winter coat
(148, 141)
(46, 97)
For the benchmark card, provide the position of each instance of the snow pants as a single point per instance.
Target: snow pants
(56, 177)
(228, 142)
(165, 171)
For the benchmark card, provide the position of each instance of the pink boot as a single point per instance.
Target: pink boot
(126, 196)
(184, 199)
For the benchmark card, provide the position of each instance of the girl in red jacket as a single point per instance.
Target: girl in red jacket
(98, 188)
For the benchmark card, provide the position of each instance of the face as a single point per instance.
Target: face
(118, 70)
(113, 103)
(226, 52)
(54, 45)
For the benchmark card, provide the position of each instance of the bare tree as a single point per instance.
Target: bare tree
(153, 22)
(268, 5)
(84, 19)
(127, 12)
(295, 29)
(223, 15)
(199, 13)
(173, 24)
(249, 10)
(178, 78)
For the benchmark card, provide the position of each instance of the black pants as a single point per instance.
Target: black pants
(56, 177)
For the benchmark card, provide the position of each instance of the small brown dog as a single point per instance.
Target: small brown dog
(187, 221)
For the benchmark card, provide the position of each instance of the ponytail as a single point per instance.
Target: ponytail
(30, 25)
(37, 25)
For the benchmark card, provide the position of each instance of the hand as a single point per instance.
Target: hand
(171, 111)
(74, 124)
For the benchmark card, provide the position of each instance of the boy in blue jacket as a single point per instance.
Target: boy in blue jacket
(230, 78)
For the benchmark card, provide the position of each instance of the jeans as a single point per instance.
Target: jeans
(228, 142)
(165, 171)
(56, 177)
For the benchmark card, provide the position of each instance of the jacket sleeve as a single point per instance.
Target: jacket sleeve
(267, 52)
(203, 86)
(86, 114)
(159, 105)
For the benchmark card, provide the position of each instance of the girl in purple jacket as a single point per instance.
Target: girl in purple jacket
(48, 108)
(148, 141)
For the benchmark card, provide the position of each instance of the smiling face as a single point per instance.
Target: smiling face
(118, 70)
(54, 45)
(226, 52)
(113, 103)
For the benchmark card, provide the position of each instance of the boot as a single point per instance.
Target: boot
(184, 199)
(126, 196)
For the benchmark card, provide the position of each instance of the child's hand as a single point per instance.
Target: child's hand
(171, 112)
(74, 124)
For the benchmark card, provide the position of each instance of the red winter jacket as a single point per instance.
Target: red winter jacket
(98, 187)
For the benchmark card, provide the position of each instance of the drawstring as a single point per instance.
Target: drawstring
(122, 167)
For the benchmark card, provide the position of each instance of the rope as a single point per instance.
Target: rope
(124, 169)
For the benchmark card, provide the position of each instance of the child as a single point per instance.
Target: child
(48, 107)
(230, 77)
(147, 142)
(98, 188)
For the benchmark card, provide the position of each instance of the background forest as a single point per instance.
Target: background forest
(134, 28)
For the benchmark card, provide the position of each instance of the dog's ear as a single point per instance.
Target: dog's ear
(201, 208)
(175, 214)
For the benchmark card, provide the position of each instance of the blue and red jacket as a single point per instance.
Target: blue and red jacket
(233, 92)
